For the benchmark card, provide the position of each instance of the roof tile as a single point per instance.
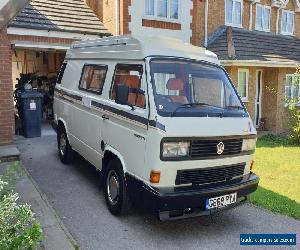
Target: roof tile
(255, 45)
(60, 15)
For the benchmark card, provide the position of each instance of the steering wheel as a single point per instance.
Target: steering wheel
(163, 99)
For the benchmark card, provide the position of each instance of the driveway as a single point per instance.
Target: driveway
(74, 194)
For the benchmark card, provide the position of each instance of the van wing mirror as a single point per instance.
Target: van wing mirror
(122, 93)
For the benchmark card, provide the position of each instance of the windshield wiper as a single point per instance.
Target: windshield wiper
(235, 107)
(191, 105)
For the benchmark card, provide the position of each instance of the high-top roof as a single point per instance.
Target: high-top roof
(245, 45)
(137, 48)
(60, 15)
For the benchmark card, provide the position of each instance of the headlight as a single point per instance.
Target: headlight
(248, 144)
(175, 149)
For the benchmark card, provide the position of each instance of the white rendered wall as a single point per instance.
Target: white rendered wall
(136, 10)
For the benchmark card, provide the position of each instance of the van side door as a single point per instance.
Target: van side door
(86, 122)
(125, 127)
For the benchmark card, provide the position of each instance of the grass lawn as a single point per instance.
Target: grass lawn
(278, 165)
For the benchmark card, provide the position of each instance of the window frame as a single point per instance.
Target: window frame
(244, 99)
(102, 66)
(232, 24)
(163, 19)
(293, 28)
(263, 17)
(292, 88)
(141, 81)
(61, 72)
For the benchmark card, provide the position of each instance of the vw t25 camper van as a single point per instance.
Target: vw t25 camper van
(161, 120)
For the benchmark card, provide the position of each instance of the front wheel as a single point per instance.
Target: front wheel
(116, 193)
(65, 150)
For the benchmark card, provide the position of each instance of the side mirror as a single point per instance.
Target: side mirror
(122, 93)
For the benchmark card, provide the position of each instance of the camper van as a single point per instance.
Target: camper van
(162, 122)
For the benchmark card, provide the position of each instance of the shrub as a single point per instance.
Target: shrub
(294, 110)
(294, 124)
(19, 229)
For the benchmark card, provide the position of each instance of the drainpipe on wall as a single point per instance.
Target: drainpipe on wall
(277, 20)
(250, 18)
(117, 16)
(206, 24)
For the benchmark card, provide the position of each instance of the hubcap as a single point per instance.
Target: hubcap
(62, 144)
(112, 187)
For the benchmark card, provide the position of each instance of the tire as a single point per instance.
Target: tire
(115, 189)
(65, 150)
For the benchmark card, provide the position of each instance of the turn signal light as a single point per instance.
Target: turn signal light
(155, 176)
(252, 166)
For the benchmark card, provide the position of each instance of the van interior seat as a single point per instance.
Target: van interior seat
(134, 83)
(177, 84)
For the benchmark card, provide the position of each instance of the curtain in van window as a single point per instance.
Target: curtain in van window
(161, 80)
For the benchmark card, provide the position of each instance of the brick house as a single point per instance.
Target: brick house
(258, 42)
(36, 41)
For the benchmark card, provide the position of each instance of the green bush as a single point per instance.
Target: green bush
(294, 124)
(19, 229)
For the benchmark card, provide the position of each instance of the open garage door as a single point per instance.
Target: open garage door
(39, 64)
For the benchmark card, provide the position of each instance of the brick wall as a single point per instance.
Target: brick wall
(270, 87)
(161, 25)
(6, 91)
(216, 17)
(125, 17)
(273, 95)
(233, 72)
(105, 11)
(39, 39)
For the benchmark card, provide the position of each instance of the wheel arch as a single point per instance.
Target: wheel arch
(61, 122)
(110, 154)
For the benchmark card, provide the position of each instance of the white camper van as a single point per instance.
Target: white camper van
(161, 120)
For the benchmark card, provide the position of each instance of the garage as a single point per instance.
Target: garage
(38, 66)
(39, 37)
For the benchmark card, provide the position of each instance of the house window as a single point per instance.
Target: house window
(292, 88)
(149, 7)
(263, 17)
(243, 79)
(287, 22)
(233, 12)
(93, 78)
(162, 9)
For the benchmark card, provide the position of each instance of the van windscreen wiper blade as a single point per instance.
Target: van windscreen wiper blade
(190, 105)
(235, 107)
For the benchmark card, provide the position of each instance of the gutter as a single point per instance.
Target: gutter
(117, 17)
(277, 20)
(206, 25)
(258, 63)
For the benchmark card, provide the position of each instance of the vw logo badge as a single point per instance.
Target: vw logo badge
(220, 148)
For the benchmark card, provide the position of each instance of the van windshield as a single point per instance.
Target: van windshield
(185, 88)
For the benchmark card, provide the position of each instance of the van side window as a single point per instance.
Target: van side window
(131, 76)
(93, 78)
(61, 73)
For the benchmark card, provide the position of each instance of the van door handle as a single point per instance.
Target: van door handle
(105, 117)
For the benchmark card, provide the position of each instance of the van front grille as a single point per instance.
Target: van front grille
(208, 148)
(209, 175)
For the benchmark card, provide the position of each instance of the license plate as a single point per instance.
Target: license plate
(221, 201)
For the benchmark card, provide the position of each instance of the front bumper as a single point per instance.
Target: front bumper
(190, 201)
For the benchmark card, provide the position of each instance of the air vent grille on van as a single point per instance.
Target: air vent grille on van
(209, 148)
(209, 175)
